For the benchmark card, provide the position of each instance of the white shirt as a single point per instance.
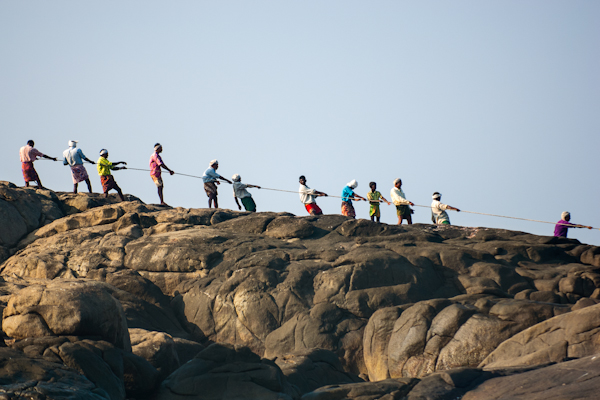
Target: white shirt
(398, 197)
(307, 195)
(239, 190)
(438, 210)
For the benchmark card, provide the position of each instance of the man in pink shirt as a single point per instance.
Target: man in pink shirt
(28, 155)
(156, 163)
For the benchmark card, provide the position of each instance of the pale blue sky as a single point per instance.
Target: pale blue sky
(493, 104)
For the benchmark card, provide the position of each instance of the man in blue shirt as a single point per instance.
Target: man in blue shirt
(74, 158)
(347, 196)
(210, 179)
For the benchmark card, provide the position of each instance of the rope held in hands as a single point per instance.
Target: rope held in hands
(380, 201)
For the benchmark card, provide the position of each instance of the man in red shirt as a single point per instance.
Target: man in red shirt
(156, 163)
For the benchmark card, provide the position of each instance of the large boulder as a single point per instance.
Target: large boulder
(61, 308)
(223, 372)
(572, 335)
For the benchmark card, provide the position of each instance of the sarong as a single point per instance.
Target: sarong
(249, 203)
(108, 182)
(313, 209)
(374, 210)
(79, 173)
(348, 209)
(29, 173)
(158, 181)
(211, 189)
(403, 211)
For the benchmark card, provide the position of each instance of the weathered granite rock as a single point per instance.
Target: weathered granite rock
(60, 308)
(22, 377)
(223, 372)
(388, 389)
(572, 335)
(158, 348)
(576, 379)
(311, 369)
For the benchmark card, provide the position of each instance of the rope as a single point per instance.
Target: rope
(415, 205)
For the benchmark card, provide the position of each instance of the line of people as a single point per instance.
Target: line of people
(74, 157)
(439, 216)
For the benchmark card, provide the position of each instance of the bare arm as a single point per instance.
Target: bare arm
(163, 165)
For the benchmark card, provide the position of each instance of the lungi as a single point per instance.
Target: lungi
(79, 173)
(374, 210)
(211, 189)
(348, 209)
(29, 173)
(403, 211)
(313, 209)
(108, 182)
(249, 203)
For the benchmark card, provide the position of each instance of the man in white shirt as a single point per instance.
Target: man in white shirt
(402, 205)
(307, 197)
(439, 216)
(240, 192)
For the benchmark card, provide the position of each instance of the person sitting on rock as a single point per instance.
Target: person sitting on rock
(562, 226)
(240, 192)
(28, 155)
(74, 158)
(347, 196)
(156, 163)
(402, 205)
(439, 216)
(307, 197)
(210, 179)
(375, 198)
(108, 181)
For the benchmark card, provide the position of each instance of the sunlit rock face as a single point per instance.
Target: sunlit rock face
(311, 307)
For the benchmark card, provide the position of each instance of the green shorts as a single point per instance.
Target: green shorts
(248, 203)
(403, 211)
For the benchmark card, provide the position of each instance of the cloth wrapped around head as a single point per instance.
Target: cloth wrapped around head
(103, 152)
(436, 196)
(236, 178)
(353, 184)
(213, 162)
(396, 181)
(72, 143)
(565, 215)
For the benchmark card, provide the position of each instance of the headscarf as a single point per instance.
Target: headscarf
(396, 181)
(72, 143)
(564, 215)
(103, 152)
(213, 162)
(436, 196)
(352, 184)
(236, 178)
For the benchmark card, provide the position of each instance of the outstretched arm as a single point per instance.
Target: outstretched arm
(163, 165)
(88, 160)
(225, 179)
(49, 158)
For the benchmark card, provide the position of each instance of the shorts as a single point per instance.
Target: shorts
(313, 209)
(403, 211)
(158, 181)
(374, 210)
(249, 203)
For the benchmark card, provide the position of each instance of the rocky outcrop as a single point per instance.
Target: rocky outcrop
(297, 306)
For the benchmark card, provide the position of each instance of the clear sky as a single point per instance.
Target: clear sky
(494, 104)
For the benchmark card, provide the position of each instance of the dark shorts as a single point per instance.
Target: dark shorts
(248, 203)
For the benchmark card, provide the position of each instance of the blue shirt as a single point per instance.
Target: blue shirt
(73, 156)
(210, 175)
(347, 193)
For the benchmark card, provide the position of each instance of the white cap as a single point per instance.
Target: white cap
(213, 162)
(436, 196)
(564, 215)
(353, 184)
(103, 151)
(72, 143)
(236, 178)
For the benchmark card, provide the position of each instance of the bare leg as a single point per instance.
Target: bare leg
(89, 185)
(39, 182)
(216, 202)
(120, 193)
(372, 218)
(106, 194)
(400, 220)
(409, 219)
(378, 219)
(75, 188)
